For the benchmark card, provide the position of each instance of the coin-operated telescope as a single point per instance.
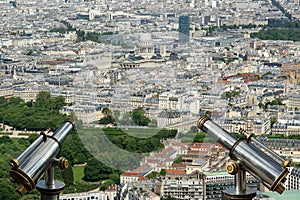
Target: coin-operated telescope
(248, 155)
(38, 159)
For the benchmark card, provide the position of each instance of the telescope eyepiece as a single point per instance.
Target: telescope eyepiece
(232, 167)
(62, 163)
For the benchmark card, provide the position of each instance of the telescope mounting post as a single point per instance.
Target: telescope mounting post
(240, 191)
(51, 188)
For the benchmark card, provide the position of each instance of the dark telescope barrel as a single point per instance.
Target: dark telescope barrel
(38, 157)
(253, 160)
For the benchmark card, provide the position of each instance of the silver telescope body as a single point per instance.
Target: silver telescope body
(263, 167)
(31, 164)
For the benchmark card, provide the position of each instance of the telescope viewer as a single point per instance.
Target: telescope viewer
(40, 159)
(248, 155)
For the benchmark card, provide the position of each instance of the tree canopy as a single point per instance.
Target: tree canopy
(108, 118)
(139, 118)
(278, 34)
(272, 103)
(95, 170)
(43, 114)
(39, 116)
(138, 145)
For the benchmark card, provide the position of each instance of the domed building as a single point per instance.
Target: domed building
(145, 48)
(145, 54)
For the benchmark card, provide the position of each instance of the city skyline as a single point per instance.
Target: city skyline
(168, 62)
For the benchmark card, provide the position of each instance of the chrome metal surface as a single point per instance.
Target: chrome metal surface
(214, 130)
(39, 156)
(253, 160)
(50, 175)
(16, 162)
(230, 193)
(240, 182)
(260, 165)
(48, 193)
(28, 151)
(264, 148)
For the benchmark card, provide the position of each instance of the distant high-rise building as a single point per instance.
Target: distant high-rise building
(184, 29)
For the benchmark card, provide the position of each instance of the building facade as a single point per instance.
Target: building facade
(217, 182)
(293, 179)
(184, 29)
(84, 196)
(183, 186)
(293, 102)
(200, 185)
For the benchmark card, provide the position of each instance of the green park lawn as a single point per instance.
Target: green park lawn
(78, 173)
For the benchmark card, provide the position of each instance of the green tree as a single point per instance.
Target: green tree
(200, 137)
(56, 103)
(108, 118)
(294, 137)
(238, 135)
(106, 184)
(277, 136)
(178, 159)
(163, 172)
(95, 170)
(273, 120)
(68, 176)
(297, 165)
(43, 99)
(278, 34)
(276, 102)
(261, 105)
(115, 178)
(229, 94)
(29, 53)
(139, 118)
(15, 101)
(106, 111)
(152, 175)
(7, 190)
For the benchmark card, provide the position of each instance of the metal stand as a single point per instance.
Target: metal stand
(240, 191)
(50, 188)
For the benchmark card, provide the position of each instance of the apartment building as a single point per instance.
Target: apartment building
(86, 113)
(286, 127)
(166, 118)
(6, 91)
(182, 186)
(290, 149)
(84, 196)
(217, 182)
(293, 179)
(257, 126)
(293, 102)
(199, 185)
(27, 94)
